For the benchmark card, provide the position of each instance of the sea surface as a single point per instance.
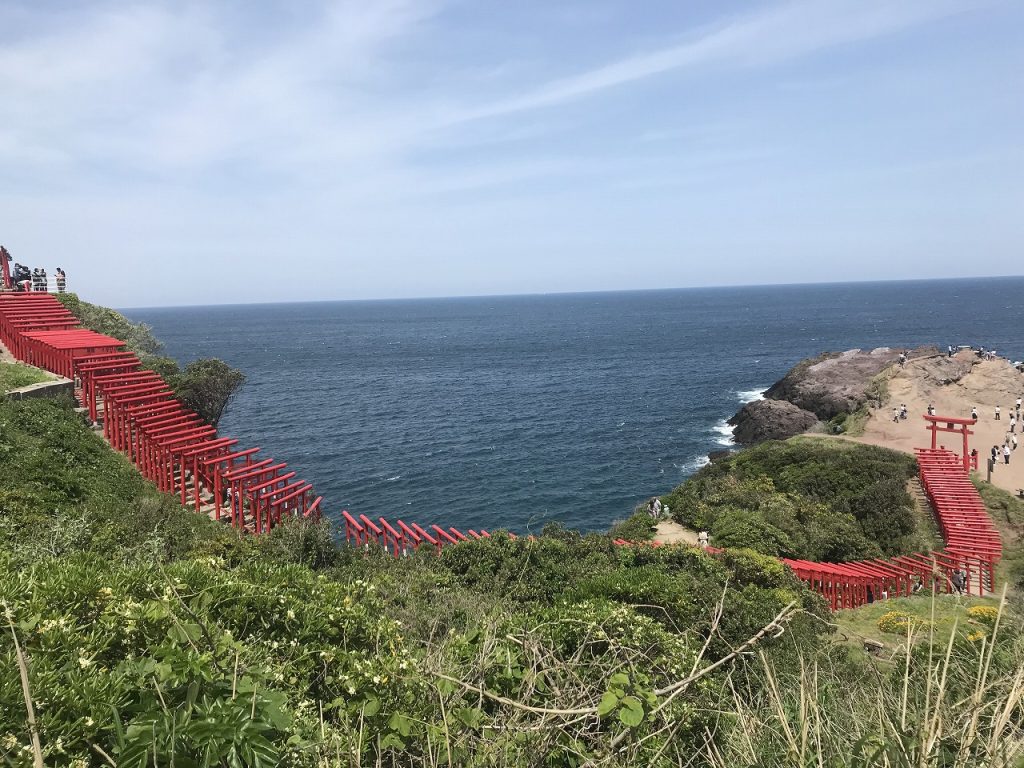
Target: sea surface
(510, 412)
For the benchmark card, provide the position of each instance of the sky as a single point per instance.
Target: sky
(175, 153)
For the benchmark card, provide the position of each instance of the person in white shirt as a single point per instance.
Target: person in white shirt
(1006, 454)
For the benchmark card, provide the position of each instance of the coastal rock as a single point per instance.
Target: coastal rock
(770, 420)
(837, 383)
(940, 371)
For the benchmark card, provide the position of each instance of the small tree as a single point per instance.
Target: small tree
(207, 386)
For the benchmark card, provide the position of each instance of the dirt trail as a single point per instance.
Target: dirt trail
(670, 532)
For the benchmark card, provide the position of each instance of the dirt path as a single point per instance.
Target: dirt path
(670, 532)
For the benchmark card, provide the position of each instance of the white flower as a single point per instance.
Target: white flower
(89, 721)
(351, 690)
(291, 614)
(84, 662)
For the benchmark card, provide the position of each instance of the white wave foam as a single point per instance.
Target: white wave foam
(694, 464)
(392, 479)
(724, 432)
(750, 395)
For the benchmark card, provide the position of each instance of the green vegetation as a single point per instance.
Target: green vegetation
(138, 336)
(807, 498)
(16, 375)
(146, 635)
(147, 631)
(206, 386)
(939, 698)
(1007, 513)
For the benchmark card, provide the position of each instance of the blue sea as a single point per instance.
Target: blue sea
(510, 412)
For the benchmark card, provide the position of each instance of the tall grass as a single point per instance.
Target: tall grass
(951, 701)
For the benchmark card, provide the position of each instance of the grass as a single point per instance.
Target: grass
(860, 624)
(951, 699)
(16, 375)
(1007, 513)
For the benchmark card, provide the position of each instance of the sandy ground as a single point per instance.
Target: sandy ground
(988, 384)
(669, 532)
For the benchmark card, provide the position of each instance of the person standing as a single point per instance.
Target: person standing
(974, 413)
(995, 454)
(1006, 454)
(997, 413)
(949, 351)
(1018, 407)
(62, 280)
(44, 280)
(1013, 423)
(895, 414)
(1013, 442)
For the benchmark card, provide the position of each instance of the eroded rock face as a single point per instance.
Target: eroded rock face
(827, 386)
(940, 371)
(840, 383)
(770, 420)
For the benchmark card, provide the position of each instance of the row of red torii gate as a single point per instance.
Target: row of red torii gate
(181, 454)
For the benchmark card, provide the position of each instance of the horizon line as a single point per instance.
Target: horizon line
(596, 292)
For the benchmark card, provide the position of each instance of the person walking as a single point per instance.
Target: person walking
(702, 539)
(1013, 442)
(1013, 423)
(903, 359)
(903, 411)
(1018, 407)
(974, 413)
(959, 581)
(895, 414)
(1006, 454)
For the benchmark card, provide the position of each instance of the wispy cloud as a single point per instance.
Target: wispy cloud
(165, 88)
(796, 29)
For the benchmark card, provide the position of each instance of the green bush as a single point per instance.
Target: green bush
(811, 499)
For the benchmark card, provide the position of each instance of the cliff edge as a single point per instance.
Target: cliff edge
(818, 390)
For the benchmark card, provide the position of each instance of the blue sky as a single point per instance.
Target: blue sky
(192, 153)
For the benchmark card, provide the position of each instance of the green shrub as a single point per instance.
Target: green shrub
(812, 499)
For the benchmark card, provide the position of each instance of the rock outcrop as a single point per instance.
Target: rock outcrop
(770, 420)
(821, 388)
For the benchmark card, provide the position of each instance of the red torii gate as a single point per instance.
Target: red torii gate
(952, 424)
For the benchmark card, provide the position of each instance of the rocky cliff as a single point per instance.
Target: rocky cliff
(817, 390)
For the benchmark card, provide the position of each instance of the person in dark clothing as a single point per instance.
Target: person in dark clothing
(959, 581)
(62, 280)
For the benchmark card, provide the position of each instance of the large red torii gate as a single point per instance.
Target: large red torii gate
(952, 424)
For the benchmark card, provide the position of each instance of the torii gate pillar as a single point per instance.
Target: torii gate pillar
(952, 424)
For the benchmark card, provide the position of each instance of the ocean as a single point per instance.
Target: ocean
(511, 412)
